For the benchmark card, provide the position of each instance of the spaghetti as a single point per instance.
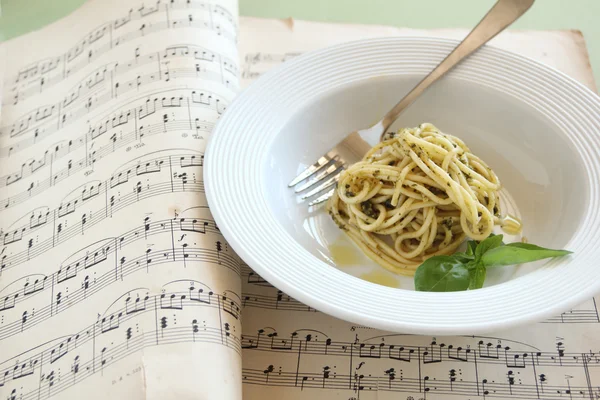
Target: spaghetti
(417, 194)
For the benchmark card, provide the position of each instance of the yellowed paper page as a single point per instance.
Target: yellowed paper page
(266, 42)
(294, 352)
(115, 282)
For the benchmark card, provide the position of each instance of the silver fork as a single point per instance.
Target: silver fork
(320, 178)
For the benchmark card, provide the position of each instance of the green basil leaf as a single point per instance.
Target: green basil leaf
(441, 274)
(471, 246)
(529, 246)
(518, 254)
(472, 264)
(492, 242)
(463, 257)
(477, 277)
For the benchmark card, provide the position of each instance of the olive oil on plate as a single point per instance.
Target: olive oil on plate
(348, 258)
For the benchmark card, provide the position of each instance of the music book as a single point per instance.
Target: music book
(115, 281)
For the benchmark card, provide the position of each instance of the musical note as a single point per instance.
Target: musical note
(58, 301)
(75, 368)
(23, 320)
(38, 285)
(194, 329)
(110, 323)
(15, 236)
(230, 306)
(9, 302)
(267, 371)
(85, 285)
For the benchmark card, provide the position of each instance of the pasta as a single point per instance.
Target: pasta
(417, 194)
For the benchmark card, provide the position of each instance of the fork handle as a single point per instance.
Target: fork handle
(501, 15)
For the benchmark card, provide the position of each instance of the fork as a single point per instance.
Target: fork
(320, 178)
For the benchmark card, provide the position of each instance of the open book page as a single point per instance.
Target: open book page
(115, 281)
(292, 351)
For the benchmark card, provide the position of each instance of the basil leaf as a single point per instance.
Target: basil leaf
(471, 246)
(463, 257)
(441, 274)
(477, 276)
(529, 246)
(488, 244)
(516, 253)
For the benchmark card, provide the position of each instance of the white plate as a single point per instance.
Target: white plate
(537, 128)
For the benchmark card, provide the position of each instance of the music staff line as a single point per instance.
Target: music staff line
(92, 190)
(133, 310)
(117, 89)
(103, 252)
(584, 316)
(390, 380)
(395, 361)
(484, 352)
(53, 125)
(60, 302)
(36, 71)
(169, 165)
(131, 84)
(134, 307)
(577, 316)
(55, 116)
(199, 56)
(54, 384)
(253, 278)
(281, 301)
(253, 59)
(61, 234)
(257, 58)
(196, 100)
(90, 159)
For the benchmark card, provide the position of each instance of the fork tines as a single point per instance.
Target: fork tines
(319, 179)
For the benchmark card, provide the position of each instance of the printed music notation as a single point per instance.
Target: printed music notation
(255, 64)
(174, 62)
(139, 22)
(467, 366)
(388, 381)
(147, 177)
(105, 84)
(483, 350)
(136, 320)
(258, 293)
(95, 141)
(125, 129)
(583, 313)
(108, 250)
(280, 301)
(34, 299)
(130, 113)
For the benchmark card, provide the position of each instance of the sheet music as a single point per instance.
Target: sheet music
(292, 351)
(265, 43)
(114, 278)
